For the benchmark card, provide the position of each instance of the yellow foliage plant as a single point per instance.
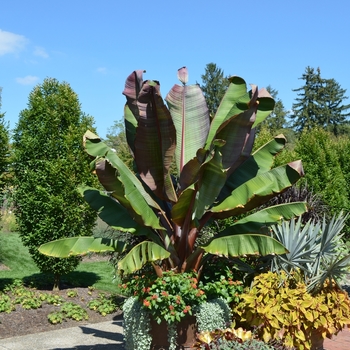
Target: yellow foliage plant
(279, 307)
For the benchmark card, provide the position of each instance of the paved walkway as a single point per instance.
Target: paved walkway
(107, 336)
(97, 336)
(339, 342)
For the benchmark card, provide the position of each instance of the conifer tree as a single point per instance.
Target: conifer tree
(214, 85)
(319, 103)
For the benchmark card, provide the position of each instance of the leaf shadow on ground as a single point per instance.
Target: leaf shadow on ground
(74, 279)
(113, 336)
(5, 282)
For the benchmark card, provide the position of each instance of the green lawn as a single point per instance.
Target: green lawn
(16, 257)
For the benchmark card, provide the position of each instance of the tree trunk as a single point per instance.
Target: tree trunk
(56, 282)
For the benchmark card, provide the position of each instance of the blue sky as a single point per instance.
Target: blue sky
(95, 45)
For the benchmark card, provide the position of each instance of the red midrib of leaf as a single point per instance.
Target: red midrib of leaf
(183, 131)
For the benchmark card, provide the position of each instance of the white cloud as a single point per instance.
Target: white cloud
(40, 51)
(11, 43)
(27, 80)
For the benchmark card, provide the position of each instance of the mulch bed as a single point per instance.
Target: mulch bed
(22, 321)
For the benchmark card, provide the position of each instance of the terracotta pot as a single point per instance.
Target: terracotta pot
(186, 334)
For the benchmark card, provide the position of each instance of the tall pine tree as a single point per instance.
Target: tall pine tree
(333, 111)
(319, 103)
(307, 109)
(214, 85)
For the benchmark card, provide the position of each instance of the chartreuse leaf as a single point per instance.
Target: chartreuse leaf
(246, 244)
(190, 115)
(258, 190)
(72, 246)
(141, 254)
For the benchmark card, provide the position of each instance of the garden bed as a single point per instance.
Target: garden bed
(21, 321)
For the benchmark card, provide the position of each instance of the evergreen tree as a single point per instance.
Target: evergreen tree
(334, 118)
(307, 109)
(319, 103)
(214, 85)
(49, 165)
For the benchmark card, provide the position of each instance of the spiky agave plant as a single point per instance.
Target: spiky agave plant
(217, 177)
(313, 250)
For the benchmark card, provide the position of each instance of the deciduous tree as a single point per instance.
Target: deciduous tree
(4, 148)
(324, 168)
(116, 139)
(49, 165)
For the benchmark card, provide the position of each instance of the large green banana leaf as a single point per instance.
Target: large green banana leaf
(235, 90)
(141, 254)
(237, 100)
(235, 131)
(246, 244)
(264, 157)
(260, 161)
(209, 179)
(210, 182)
(259, 221)
(94, 145)
(183, 206)
(190, 172)
(73, 246)
(112, 184)
(134, 192)
(113, 213)
(258, 190)
(266, 104)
